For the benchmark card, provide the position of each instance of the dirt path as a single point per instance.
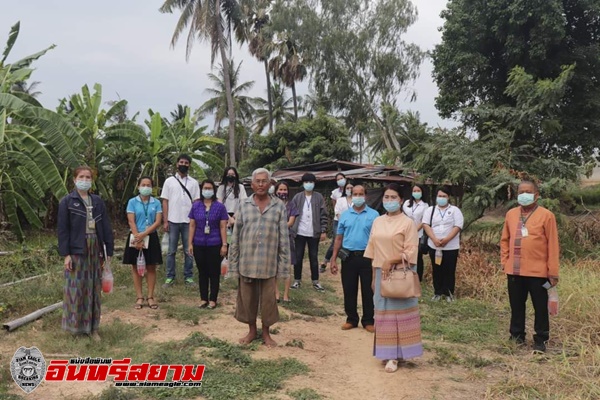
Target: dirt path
(340, 362)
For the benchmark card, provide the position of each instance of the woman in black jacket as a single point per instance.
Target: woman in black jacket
(85, 240)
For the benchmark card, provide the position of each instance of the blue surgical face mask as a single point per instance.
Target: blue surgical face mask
(309, 186)
(208, 193)
(341, 182)
(391, 206)
(526, 199)
(442, 201)
(83, 185)
(145, 190)
(358, 201)
(349, 192)
(417, 195)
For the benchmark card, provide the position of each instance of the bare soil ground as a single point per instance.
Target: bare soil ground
(341, 362)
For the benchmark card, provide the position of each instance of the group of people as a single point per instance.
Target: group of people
(268, 234)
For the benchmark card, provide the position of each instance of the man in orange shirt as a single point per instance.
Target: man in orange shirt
(530, 257)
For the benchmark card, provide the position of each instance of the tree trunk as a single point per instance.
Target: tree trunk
(269, 96)
(295, 101)
(228, 94)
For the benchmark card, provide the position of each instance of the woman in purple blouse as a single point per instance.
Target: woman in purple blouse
(208, 241)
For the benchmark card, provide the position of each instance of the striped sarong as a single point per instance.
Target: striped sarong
(397, 326)
(81, 304)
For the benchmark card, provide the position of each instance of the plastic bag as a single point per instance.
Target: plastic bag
(141, 264)
(164, 244)
(553, 301)
(107, 277)
(224, 267)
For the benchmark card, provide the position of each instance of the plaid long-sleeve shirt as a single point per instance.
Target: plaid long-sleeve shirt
(260, 247)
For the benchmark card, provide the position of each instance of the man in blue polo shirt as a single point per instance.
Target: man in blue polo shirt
(354, 228)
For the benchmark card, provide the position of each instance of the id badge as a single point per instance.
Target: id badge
(524, 232)
(92, 224)
(206, 230)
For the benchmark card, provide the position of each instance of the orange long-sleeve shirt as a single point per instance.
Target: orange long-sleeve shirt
(539, 250)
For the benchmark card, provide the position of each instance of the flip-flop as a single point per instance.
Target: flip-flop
(203, 305)
(152, 306)
(212, 307)
(287, 301)
(139, 306)
(391, 366)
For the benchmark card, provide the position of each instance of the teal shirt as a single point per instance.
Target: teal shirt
(356, 227)
(145, 213)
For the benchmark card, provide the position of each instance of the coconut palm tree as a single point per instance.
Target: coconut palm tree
(244, 106)
(214, 21)
(282, 109)
(259, 39)
(287, 64)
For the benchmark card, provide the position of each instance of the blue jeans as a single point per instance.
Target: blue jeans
(175, 230)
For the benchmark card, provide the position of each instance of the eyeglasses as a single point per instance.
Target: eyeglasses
(262, 182)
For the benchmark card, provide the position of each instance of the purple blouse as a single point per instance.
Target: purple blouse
(216, 214)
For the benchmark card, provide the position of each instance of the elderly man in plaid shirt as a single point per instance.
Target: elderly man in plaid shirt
(259, 255)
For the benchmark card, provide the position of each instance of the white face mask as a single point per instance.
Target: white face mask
(271, 189)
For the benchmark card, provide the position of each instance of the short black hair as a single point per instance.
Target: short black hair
(395, 187)
(362, 186)
(146, 177)
(338, 174)
(211, 182)
(445, 189)
(308, 177)
(184, 157)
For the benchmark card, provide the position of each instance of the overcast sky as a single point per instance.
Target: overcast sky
(125, 46)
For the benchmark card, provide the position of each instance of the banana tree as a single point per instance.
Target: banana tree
(32, 139)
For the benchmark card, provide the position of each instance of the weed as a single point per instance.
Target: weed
(295, 343)
(305, 394)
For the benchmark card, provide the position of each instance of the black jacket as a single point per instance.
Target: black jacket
(71, 225)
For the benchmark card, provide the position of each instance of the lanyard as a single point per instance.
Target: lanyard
(206, 211)
(145, 207)
(414, 208)
(523, 219)
(307, 202)
(444, 214)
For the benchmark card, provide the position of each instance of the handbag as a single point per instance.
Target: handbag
(423, 245)
(401, 282)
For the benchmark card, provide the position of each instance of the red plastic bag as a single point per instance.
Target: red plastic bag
(107, 278)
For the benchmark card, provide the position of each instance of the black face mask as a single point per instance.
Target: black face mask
(183, 169)
(230, 178)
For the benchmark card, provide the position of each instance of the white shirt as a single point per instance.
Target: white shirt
(341, 206)
(179, 202)
(415, 212)
(305, 228)
(336, 193)
(231, 203)
(442, 223)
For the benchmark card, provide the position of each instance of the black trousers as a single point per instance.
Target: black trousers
(313, 256)
(420, 267)
(518, 289)
(355, 269)
(208, 262)
(444, 275)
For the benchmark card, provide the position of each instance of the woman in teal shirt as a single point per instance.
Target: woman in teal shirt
(144, 215)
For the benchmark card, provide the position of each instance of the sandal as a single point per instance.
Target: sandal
(139, 306)
(203, 305)
(391, 366)
(153, 306)
(212, 306)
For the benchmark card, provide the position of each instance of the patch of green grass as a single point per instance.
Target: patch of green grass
(6, 381)
(113, 393)
(445, 356)
(305, 394)
(295, 343)
(463, 321)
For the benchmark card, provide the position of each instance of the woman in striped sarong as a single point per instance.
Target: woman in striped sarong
(84, 234)
(397, 321)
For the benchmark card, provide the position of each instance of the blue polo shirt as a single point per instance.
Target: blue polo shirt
(145, 213)
(356, 227)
